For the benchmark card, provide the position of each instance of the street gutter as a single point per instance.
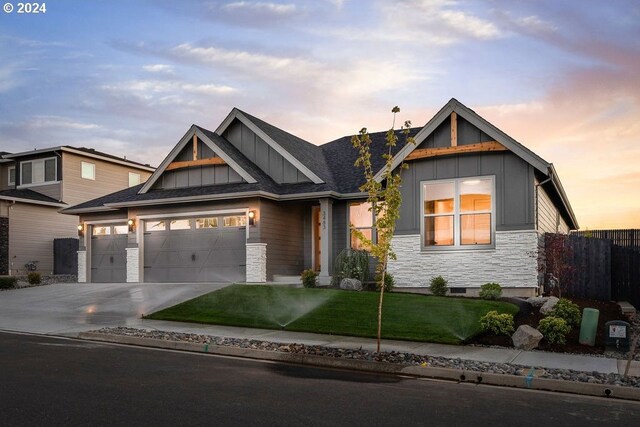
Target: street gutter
(463, 376)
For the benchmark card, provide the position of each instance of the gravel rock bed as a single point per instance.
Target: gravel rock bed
(387, 357)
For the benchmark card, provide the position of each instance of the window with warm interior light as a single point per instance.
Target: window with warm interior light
(134, 179)
(360, 218)
(458, 213)
(235, 221)
(155, 226)
(88, 170)
(206, 222)
(180, 224)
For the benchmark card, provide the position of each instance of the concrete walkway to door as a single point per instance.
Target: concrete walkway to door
(69, 308)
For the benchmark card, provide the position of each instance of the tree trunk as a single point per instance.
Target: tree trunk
(382, 277)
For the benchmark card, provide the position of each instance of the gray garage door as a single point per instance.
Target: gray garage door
(108, 253)
(208, 249)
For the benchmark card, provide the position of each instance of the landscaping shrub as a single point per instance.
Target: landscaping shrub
(34, 278)
(309, 278)
(568, 311)
(8, 282)
(554, 329)
(389, 282)
(490, 291)
(496, 323)
(351, 264)
(438, 286)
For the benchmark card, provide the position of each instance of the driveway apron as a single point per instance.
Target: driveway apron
(69, 308)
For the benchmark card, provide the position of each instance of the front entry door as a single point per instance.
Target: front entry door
(316, 232)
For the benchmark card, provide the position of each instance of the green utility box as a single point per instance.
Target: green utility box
(589, 326)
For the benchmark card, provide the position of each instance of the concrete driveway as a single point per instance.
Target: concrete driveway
(69, 308)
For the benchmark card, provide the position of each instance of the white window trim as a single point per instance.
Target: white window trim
(93, 178)
(374, 234)
(456, 216)
(9, 182)
(36, 184)
(134, 174)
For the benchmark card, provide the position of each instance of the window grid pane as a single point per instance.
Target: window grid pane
(360, 214)
(154, 226)
(101, 230)
(206, 222)
(50, 170)
(120, 229)
(180, 224)
(475, 229)
(235, 221)
(438, 230)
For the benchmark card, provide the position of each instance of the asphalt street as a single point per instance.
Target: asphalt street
(60, 381)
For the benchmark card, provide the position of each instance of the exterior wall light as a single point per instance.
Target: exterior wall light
(81, 230)
(132, 225)
(252, 217)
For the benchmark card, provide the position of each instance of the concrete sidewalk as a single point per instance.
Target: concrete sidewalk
(480, 354)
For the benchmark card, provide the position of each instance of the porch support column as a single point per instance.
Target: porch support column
(133, 255)
(326, 240)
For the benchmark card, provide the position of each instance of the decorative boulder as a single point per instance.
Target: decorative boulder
(526, 338)
(537, 302)
(548, 305)
(351, 284)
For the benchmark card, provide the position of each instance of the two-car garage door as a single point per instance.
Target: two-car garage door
(199, 249)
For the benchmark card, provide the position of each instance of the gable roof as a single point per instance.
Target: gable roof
(83, 151)
(330, 166)
(213, 142)
(306, 157)
(30, 196)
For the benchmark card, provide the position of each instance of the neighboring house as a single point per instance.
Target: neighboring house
(35, 185)
(250, 201)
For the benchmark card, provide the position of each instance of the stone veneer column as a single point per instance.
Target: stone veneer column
(82, 266)
(133, 265)
(4, 246)
(256, 263)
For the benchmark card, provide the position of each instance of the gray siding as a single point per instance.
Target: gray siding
(263, 155)
(513, 180)
(549, 219)
(282, 229)
(340, 230)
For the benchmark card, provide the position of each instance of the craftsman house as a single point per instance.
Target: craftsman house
(251, 202)
(35, 185)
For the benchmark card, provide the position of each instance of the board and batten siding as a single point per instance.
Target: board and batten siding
(262, 154)
(32, 229)
(549, 219)
(282, 228)
(513, 187)
(110, 178)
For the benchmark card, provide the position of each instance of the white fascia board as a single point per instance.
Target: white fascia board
(228, 160)
(237, 114)
(33, 202)
(167, 160)
(193, 130)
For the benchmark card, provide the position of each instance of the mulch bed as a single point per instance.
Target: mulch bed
(609, 310)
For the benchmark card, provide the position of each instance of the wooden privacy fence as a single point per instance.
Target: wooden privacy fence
(627, 238)
(595, 268)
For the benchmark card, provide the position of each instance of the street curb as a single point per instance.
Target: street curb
(459, 375)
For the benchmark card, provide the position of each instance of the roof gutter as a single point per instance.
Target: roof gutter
(33, 202)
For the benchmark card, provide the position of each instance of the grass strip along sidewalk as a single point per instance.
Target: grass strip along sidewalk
(330, 311)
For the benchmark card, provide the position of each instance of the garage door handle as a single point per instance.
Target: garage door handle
(193, 257)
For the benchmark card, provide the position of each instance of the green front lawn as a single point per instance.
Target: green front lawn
(330, 311)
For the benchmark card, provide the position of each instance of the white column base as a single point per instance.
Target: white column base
(256, 263)
(133, 265)
(82, 266)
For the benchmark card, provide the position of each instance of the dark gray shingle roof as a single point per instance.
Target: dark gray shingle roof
(28, 195)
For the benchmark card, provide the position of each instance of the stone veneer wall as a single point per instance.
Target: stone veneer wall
(4, 246)
(513, 263)
(133, 265)
(256, 262)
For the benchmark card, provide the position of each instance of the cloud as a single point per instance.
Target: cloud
(42, 122)
(261, 7)
(148, 89)
(159, 68)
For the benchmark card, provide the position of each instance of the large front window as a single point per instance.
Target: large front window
(360, 218)
(458, 213)
(38, 171)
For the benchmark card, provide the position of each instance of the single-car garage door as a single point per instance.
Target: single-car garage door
(201, 249)
(108, 253)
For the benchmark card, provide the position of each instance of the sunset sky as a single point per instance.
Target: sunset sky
(130, 77)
